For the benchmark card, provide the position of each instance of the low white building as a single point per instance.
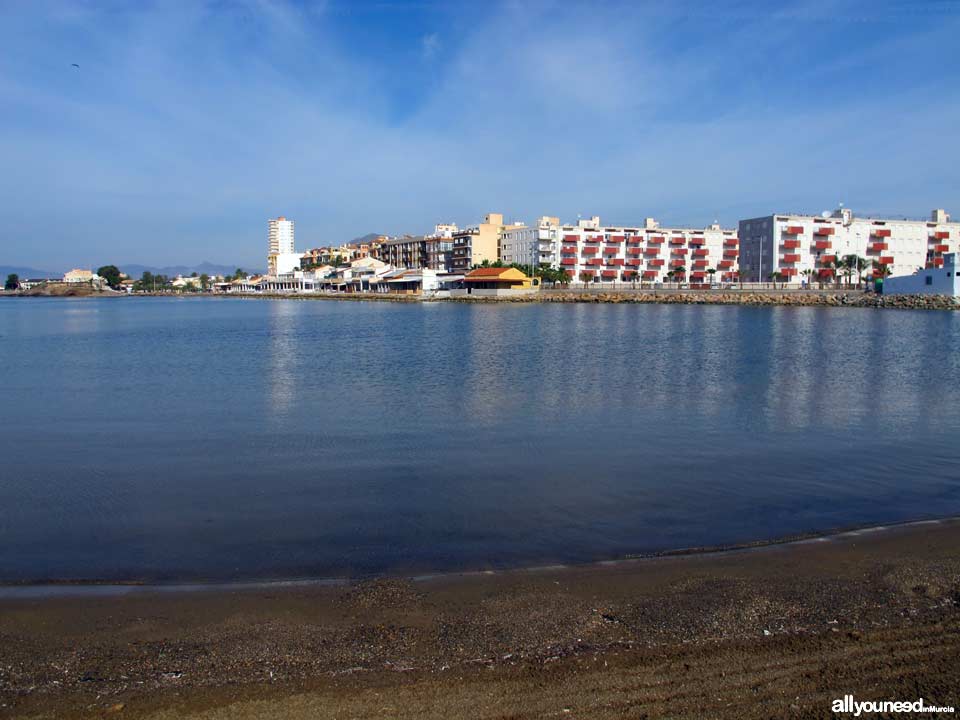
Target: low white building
(943, 280)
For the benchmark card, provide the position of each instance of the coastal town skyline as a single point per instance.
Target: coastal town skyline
(690, 113)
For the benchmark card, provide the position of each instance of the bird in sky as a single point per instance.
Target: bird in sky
(75, 65)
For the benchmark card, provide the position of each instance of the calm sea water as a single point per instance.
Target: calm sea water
(222, 439)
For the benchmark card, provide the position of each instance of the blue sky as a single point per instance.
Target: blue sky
(188, 124)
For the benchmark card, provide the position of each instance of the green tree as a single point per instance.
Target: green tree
(111, 274)
(239, 274)
(711, 272)
(13, 282)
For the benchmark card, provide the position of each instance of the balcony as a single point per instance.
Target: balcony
(611, 251)
(936, 262)
(791, 258)
(615, 239)
(677, 240)
(733, 242)
(824, 230)
(701, 252)
(588, 273)
(568, 250)
(730, 254)
(793, 230)
(791, 244)
(828, 258)
(821, 244)
(941, 235)
(592, 239)
(618, 262)
(725, 264)
(656, 262)
(679, 251)
(651, 251)
(697, 241)
(655, 240)
(609, 273)
(634, 261)
(697, 275)
(629, 274)
(700, 263)
(634, 242)
(590, 251)
(568, 261)
(650, 274)
(594, 262)
(878, 246)
(788, 272)
(676, 263)
(634, 251)
(941, 248)
(881, 232)
(826, 272)
(571, 238)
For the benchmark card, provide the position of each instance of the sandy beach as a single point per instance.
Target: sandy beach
(778, 631)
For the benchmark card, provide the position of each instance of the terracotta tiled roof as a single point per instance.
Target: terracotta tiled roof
(488, 272)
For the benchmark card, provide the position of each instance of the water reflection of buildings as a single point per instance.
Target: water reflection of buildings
(282, 356)
(776, 369)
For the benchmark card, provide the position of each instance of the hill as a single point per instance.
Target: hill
(369, 237)
(28, 272)
(209, 268)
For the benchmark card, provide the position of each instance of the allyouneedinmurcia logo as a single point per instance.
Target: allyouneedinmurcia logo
(848, 706)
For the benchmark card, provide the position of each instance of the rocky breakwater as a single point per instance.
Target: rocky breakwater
(812, 299)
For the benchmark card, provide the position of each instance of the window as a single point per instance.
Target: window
(929, 279)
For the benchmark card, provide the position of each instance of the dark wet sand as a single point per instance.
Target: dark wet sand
(772, 632)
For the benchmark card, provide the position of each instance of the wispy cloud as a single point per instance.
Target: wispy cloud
(431, 45)
(189, 125)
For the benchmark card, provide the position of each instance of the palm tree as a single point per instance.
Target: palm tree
(679, 272)
(808, 274)
(852, 265)
(711, 272)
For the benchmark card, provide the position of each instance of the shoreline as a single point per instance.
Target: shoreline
(849, 298)
(66, 588)
(778, 633)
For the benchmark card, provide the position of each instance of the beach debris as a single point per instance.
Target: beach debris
(767, 633)
(115, 708)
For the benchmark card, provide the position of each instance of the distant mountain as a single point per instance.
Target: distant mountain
(369, 237)
(26, 273)
(209, 268)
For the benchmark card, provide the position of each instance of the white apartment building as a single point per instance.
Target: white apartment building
(535, 245)
(444, 230)
(807, 247)
(591, 252)
(282, 256)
